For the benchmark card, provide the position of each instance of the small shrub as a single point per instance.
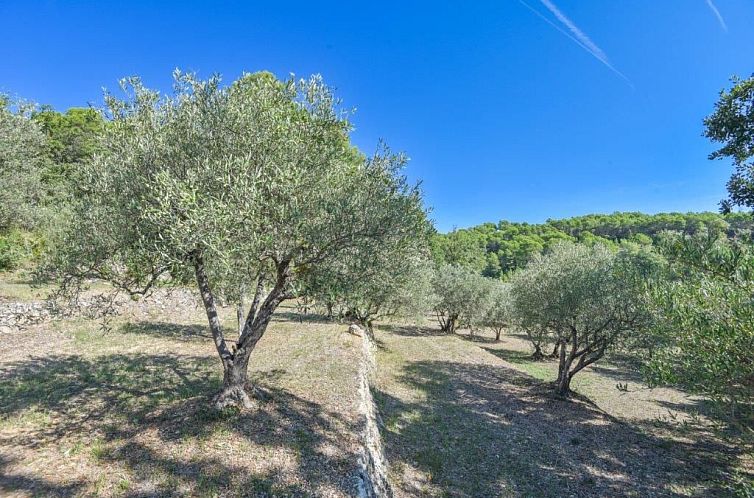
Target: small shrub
(18, 248)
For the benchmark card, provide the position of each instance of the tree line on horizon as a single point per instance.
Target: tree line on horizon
(498, 249)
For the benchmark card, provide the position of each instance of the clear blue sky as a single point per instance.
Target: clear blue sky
(504, 114)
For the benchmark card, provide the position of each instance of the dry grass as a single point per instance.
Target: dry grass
(16, 287)
(474, 418)
(124, 412)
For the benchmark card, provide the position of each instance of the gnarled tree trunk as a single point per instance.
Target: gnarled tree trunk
(236, 390)
(498, 331)
(537, 354)
(555, 350)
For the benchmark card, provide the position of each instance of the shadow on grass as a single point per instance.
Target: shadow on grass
(482, 339)
(513, 356)
(10, 481)
(138, 406)
(699, 407)
(484, 430)
(168, 330)
(411, 330)
(620, 367)
(299, 317)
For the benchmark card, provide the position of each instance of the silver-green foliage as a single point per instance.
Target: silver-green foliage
(387, 281)
(461, 296)
(250, 186)
(498, 315)
(707, 322)
(581, 298)
(22, 161)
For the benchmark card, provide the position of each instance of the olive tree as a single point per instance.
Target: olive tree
(244, 187)
(498, 315)
(393, 280)
(461, 297)
(583, 299)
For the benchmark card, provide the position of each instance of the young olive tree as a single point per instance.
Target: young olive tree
(583, 298)
(393, 280)
(498, 314)
(461, 297)
(249, 186)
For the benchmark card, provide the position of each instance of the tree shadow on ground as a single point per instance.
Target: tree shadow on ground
(517, 335)
(411, 330)
(620, 367)
(144, 411)
(695, 407)
(300, 317)
(514, 356)
(36, 486)
(482, 339)
(485, 430)
(193, 332)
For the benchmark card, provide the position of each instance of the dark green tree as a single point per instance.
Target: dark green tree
(732, 125)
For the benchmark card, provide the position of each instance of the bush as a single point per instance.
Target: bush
(708, 321)
(18, 248)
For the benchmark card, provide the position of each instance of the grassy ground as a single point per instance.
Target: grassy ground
(474, 418)
(16, 287)
(124, 412)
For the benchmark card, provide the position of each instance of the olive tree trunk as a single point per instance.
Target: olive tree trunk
(574, 356)
(236, 389)
(447, 323)
(563, 383)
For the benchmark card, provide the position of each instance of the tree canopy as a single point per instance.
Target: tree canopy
(581, 298)
(732, 125)
(497, 249)
(22, 160)
(253, 185)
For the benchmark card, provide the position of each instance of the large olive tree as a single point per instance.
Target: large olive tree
(243, 188)
(583, 298)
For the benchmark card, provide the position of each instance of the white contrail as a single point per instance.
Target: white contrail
(576, 35)
(575, 30)
(718, 15)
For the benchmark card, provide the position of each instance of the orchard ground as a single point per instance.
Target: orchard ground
(124, 412)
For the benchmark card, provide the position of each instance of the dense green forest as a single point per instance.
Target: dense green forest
(497, 249)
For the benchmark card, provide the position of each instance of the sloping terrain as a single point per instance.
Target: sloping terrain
(473, 418)
(124, 412)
